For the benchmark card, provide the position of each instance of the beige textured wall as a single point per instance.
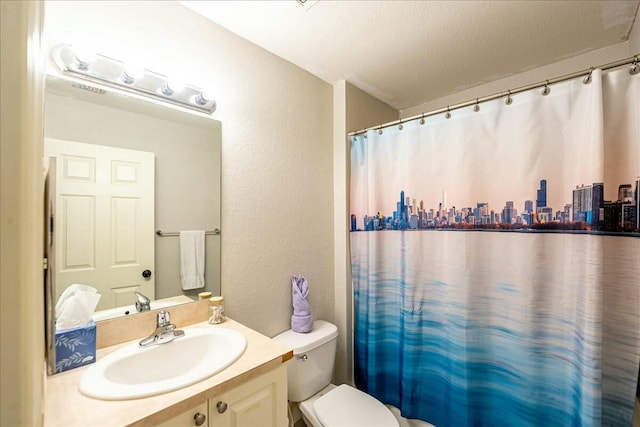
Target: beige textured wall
(277, 194)
(634, 37)
(187, 174)
(21, 206)
(364, 111)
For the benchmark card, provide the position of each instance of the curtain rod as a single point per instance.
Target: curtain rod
(635, 60)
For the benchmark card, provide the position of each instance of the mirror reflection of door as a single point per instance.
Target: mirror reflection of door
(104, 220)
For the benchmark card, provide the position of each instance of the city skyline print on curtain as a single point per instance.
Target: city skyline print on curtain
(495, 257)
(523, 171)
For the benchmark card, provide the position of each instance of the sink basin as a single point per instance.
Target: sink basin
(133, 372)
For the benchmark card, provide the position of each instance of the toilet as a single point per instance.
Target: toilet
(323, 404)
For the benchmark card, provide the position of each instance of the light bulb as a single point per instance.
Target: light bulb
(171, 86)
(204, 97)
(83, 56)
(131, 72)
(175, 84)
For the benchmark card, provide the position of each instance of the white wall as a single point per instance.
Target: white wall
(277, 194)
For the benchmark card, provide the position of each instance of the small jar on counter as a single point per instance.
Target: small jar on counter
(216, 306)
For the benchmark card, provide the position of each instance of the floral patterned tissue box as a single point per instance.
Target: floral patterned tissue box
(75, 347)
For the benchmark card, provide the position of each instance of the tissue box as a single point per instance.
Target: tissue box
(75, 347)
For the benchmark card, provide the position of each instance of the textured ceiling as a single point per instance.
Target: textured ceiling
(409, 52)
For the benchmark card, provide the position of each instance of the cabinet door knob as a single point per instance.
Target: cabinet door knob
(221, 407)
(199, 419)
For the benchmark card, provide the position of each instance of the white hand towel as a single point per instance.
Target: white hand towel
(192, 259)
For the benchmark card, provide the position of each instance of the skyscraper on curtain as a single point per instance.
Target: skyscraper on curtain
(622, 215)
(527, 213)
(582, 203)
(403, 215)
(508, 213)
(597, 205)
(541, 199)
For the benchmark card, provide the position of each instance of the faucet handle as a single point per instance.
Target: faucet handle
(142, 302)
(163, 319)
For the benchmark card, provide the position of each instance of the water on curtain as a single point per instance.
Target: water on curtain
(496, 257)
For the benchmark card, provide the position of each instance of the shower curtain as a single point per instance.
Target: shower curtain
(496, 259)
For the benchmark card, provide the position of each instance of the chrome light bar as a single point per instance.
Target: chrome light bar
(114, 73)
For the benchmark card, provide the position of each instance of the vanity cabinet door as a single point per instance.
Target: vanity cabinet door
(261, 402)
(197, 416)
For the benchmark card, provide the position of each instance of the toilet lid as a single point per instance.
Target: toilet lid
(347, 406)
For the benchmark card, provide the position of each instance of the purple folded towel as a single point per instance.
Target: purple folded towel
(302, 320)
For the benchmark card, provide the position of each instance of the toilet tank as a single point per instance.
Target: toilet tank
(313, 357)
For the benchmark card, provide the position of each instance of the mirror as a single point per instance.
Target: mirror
(185, 156)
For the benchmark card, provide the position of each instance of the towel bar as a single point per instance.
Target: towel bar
(176, 233)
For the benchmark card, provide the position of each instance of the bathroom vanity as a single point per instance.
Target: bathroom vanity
(251, 391)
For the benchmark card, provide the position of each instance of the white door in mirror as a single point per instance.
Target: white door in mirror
(104, 220)
(133, 372)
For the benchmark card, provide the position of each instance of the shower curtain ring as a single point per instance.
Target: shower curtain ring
(400, 127)
(587, 78)
(448, 115)
(476, 107)
(422, 119)
(635, 68)
(509, 100)
(547, 90)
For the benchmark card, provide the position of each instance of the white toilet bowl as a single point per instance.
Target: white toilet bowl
(309, 382)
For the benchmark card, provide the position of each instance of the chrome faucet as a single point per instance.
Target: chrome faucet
(142, 303)
(165, 331)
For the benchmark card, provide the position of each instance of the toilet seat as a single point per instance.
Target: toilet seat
(348, 406)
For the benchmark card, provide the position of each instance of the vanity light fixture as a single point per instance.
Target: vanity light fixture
(132, 78)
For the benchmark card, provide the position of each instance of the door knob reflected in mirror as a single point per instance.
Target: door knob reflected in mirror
(146, 274)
